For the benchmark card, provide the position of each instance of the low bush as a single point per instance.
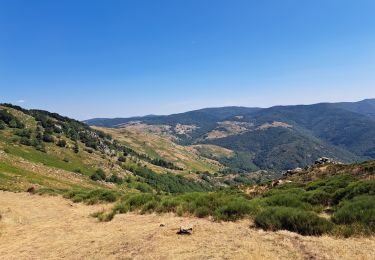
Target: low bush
(233, 210)
(360, 210)
(331, 184)
(25, 141)
(220, 205)
(316, 197)
(93, 196)
(48, 138)
(354, 189)
(61, 143)
(292, 219)
(168, 182)
(99, 175)
(286, 200)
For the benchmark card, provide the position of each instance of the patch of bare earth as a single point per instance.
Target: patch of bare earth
(274, 124)
(36, 227)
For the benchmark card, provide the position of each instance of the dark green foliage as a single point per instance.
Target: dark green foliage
(122, 159)
(72, 134)
(143, 187)
(115, 179)
(10, 120)
(23, 133)
(291, 206)
(164, 164)
(2, 125)
(317, 197)
(39, 134)
(286, 200)
(48, 138)
(292, 219)
(221, 205)
(39, 145)
(241, 162)
(360, 210)
(25, 141)
(92, 197)
(61, 143)
(73, 129)
(234, 209)
(354, 189)
(331, 184)
(76, 148)
(99, 175)
(167, 182)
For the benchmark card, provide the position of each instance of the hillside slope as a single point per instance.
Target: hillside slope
(162, 147)
(43, 150)
(273, 139)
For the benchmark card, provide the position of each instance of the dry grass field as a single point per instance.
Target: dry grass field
(45, 227)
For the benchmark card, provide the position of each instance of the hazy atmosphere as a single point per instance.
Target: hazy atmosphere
(88, 59)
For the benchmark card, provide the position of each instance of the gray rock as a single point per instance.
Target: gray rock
(186, 230)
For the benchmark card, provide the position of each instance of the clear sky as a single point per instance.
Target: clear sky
(111, 58)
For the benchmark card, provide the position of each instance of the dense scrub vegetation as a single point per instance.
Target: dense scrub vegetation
(292, 219)
(51, 127)
(293, 207)
(167, 182)
(8, 119)
(342, 205)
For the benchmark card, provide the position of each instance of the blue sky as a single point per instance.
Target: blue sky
(92, 58)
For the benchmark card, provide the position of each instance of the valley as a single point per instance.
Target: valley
(168, 130)
(123, 192)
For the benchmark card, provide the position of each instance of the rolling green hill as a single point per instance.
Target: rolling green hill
(47, 151)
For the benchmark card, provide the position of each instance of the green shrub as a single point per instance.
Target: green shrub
(48, 138)
(233, 210)
(2, 125)
(358, 210)
(292, 219)
(330, 184)
(10, 119)
(99, 175)
(168, 182)
(149, 206)
(114, 179)
(354, 189)
(24, 133)
(49, 191)
(76, 148)
(202, 212)
(136, 201)
(25, 141)
(317, 197)
(143, 187)
(286, 200)
(61, 143)
(92, 197)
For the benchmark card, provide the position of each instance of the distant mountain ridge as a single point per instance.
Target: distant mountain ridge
(276, 138)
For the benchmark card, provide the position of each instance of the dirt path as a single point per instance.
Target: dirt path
(35, 227)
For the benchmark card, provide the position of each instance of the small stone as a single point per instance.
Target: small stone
(187, 230)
